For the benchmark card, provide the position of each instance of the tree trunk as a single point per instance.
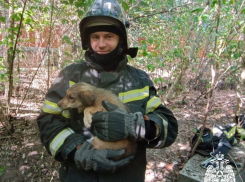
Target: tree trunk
(9, 60)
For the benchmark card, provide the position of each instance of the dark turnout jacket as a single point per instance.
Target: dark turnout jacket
(61, 131)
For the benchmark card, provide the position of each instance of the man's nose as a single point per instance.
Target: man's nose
(101, 42)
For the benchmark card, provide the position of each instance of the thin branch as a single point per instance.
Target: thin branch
(4, 118)
(11, 65)
(18, 34)
(232, 26)
(210, 95)
(161, 12)
(46, 50)
(49, 38)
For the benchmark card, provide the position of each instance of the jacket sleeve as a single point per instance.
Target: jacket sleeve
(56, 135)
(166, 123)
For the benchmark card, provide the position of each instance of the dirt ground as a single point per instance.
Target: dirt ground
(23, 158)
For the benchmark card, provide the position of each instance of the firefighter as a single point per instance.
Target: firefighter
(104, 37)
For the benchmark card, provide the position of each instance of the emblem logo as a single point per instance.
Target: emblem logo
(219, 170)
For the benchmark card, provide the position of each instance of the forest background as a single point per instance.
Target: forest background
(194, 52)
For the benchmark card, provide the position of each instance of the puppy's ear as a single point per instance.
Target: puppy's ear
(87, 97)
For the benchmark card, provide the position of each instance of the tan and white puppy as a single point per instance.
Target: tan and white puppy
(88, 99)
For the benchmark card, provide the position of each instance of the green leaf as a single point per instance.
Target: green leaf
(210, 55)
(71, 1)
(2, 19)
(236, 55)
(144, 45)
(243, 11)
(80, 3)
(198, 10)
(64, 21)
(241, 22)
(2, 68)
(80, 13)
(46, 9)
(1, 170)
(151, 67)
(158, 80)
(195, 130)
(125, 5)
(15, 17)
(27, 20)
(153, 53)
(205, 17)
(66, 39)
(65, 2)
(150, 40)
(145, 53)
(177, 52)
(214, 2)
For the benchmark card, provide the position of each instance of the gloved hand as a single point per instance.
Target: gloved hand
(117, 124)
(88, 158)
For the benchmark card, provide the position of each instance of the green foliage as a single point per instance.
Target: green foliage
(2, 19)
(66, 39)
(2, 168)
(243, 11)
(197, 10)
(158, 80)
(171, 32)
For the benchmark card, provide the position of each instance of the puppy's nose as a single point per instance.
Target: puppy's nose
(59, 104)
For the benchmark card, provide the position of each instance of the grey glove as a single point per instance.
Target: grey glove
(117, 124)
(88, 158)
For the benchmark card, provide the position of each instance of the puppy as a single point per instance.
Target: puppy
(88, 99)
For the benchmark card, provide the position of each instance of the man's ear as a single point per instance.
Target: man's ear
(87, 97)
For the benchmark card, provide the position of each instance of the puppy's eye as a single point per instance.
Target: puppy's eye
(71, 98)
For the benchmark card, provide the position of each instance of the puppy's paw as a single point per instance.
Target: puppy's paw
(87, 120)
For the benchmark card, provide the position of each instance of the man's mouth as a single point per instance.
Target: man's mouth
(102, 52)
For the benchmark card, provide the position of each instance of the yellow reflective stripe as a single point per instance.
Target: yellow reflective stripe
(71, 83)
(66, 113)
(165, 127)
(53, 108)
(241, 132)
(59, 140)
(231, 132)
(152, 104)
(134, 95)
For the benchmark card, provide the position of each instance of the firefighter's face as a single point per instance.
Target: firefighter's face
(103, 42)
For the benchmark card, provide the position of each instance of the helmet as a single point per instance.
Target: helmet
(105, 12)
